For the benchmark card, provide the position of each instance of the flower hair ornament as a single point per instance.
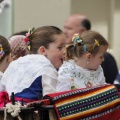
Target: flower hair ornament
(1, 51)
(27, 41)
(97, 43)
(77, 40)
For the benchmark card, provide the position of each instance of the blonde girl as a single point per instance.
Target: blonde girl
(83, 65)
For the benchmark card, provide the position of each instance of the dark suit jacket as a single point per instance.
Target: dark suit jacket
(110, 68)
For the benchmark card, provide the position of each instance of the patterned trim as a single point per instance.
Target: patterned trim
(102, 113)
(75, 92)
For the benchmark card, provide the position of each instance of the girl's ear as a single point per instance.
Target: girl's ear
(42, 50)
(88, 55)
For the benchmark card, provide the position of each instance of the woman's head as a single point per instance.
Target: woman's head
(48, 41)
(18, 46)
(90, 43)
(5, 49)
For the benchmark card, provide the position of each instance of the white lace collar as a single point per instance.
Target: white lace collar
(22, 72)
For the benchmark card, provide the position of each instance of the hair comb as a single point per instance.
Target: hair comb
(97, 43)
(76, 39)
(27, 37)
(1, 51)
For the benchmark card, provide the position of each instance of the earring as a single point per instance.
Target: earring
(88, 62)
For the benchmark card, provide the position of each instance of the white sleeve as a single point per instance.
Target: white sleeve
(48, 84)
(64, 82)
(103, 81)
(2, 87)
(103, 77)
(63, 86)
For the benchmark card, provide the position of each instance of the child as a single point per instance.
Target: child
(5, 57)
(36, 73)
(18, 46)
(83, 66)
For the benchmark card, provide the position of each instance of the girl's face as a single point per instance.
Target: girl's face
(96, 60)
(56, 50)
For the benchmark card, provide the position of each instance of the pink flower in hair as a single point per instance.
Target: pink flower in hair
(27, 40)
(27, 34)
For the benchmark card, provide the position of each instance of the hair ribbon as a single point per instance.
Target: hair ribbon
(77, 40)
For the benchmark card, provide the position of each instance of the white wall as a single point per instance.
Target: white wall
(116, 32)
(29, 13)
(96, 10)
(6, 21)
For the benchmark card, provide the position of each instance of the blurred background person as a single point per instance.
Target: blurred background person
(18, 46)
(75, 23)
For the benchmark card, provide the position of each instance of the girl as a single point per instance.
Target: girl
(18, 46)
(82, 68)
(36, 73)
(5, 57)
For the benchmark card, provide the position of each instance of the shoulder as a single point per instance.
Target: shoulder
(67, 65)
(100, 69)
(70, 67)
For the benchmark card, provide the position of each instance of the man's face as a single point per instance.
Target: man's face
(71, 27)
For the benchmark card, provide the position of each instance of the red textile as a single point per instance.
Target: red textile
(96, 103)
(3, 98)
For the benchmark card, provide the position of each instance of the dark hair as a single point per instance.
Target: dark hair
(86, 23)
(5, 46)
(21, 33)
(42, 36)
(93, 42)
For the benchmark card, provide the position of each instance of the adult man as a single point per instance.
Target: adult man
(79, 23)
(75, 24)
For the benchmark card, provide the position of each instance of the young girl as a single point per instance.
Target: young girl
(18, 46)
(36, 73)
(5, 57)
(82, 68)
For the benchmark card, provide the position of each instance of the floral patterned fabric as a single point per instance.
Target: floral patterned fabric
(72, 76)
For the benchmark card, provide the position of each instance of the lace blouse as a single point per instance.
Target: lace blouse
(72, 76)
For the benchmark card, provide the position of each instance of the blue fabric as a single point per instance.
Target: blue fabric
(32, 92)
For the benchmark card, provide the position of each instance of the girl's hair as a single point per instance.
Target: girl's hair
(42, 36)
(18, 46)
(89, 41)
(4, 48)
